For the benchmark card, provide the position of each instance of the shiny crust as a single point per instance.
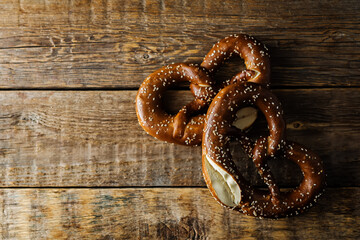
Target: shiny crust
(254, 53)
(187, 125)
(222, 113)
(218, 133)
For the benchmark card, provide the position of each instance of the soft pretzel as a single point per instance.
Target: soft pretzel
(236, 96)
(224, 180)
(254, 53)
(187, 125)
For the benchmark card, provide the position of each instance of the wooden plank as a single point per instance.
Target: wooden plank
(116, 44)
(92, 138)
(165, 213)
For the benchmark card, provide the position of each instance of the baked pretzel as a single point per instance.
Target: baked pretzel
(236, 96)
(254, 53)
(256, 59)
(187, 125)
(222, 177)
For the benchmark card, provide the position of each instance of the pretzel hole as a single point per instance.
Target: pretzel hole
(287, 174)
(230, 68)
(174, 100)
(245, 165)
(259, 127)
(176, 97)
(252, 121)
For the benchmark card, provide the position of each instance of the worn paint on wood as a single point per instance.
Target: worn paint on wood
(116, 44)
(92, 138)
(165, 213)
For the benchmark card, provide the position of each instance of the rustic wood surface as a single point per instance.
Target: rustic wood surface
(116, 44)
(166, 213)
(75, 164)
(91, 138)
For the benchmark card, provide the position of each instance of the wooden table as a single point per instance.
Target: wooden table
(76, 164)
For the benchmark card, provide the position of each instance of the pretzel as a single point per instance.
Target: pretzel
(187, 125)
(224, 180)
(257, 62)
(254, 53)
(239, 95)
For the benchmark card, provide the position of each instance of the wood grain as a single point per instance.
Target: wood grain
(166, 213)
(53, 134)
(92, 138)
(116, 44)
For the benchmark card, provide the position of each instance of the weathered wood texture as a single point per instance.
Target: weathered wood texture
(92, 138)
(184, 213)
(116, 44)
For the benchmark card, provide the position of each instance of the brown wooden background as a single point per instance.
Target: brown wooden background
(74, 163)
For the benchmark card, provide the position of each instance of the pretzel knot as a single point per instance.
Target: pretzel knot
(254, 53)
(187, 125)
(224, 180)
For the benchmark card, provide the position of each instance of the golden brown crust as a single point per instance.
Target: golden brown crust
(218, 132)
(228, 101)
(254, 53)
(279, 204)
(187, 125)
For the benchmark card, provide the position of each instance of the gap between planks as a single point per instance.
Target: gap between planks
(91, 89)
(286, 188)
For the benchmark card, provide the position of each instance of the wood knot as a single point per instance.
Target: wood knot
(145, 55)
(30, 118)
(296, 125)
(332, 36)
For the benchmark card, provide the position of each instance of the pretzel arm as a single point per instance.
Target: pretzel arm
(183, 117)
(259, 155)
(260, 160)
